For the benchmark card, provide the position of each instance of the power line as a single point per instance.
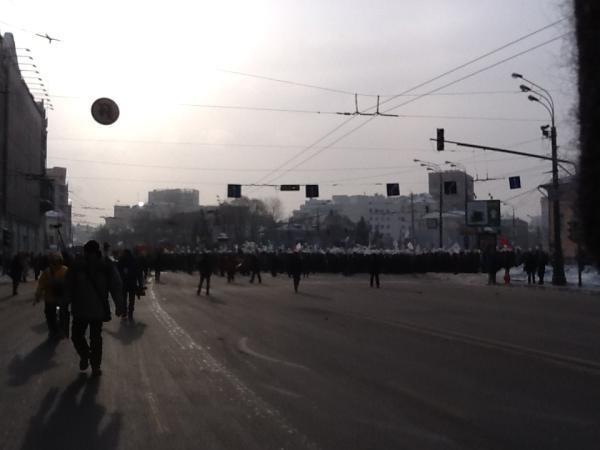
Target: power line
(444, 74)
(213, 169)
(341, 91)
(416, 98)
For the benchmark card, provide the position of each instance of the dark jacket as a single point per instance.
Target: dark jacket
(130, 273)
(89, 281)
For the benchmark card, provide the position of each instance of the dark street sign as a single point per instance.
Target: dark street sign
(514, 182)
(289, 187)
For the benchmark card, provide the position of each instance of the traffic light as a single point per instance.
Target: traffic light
(312, 190)
(234, 190)
(393, 189)
(440, 139)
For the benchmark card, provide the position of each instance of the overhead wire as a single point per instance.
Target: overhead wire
(346, 134)
(444, 74)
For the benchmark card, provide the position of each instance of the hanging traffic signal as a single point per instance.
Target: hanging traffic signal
(234, 190)
(514, 182)
(440, 139)
(393, 189)
(312, 190)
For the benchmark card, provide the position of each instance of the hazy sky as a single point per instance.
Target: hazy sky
(165, 63)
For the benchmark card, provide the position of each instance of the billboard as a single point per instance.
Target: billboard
(483, 213)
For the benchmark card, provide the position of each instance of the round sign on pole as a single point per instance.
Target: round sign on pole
(105, 111)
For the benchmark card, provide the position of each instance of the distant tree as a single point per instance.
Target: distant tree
(274, 207)
(362, 232)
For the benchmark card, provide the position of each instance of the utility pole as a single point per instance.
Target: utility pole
(412, 221)
(441, 208)
(432, 167)
(558, 272)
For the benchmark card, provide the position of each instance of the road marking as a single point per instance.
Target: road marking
(563, 360)
(151, 399)
(243, 347)
(200, 356)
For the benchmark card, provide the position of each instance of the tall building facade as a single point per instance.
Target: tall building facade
(457, 188)
(25, 193)
(59, 219)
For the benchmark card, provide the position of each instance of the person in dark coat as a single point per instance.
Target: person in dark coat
(206, 268)
(132, 279)
(89, 281)
(15, 272)
(296, 269)
(541, 259)
(490, 261)
(374, 268)
(254, 266)
(529, 265)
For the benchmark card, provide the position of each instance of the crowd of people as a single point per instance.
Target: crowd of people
(77, 286)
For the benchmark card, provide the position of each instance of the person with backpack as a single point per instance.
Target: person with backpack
(52, 288)
(132, 279)
(89, 281)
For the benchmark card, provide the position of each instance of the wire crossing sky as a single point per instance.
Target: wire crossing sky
(212, 93)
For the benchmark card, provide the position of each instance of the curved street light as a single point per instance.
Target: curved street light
(544, 98)
(432, 167)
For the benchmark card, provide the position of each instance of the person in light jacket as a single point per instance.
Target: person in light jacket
(52, 288)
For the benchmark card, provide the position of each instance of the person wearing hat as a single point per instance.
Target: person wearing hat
(51, 286)
(89, 281)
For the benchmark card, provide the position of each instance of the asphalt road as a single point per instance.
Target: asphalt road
(417, 364)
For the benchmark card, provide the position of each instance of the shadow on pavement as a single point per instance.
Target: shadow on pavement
(21, 369)
(72, 420)
(215, 301)
(317, 296)
(128, 332)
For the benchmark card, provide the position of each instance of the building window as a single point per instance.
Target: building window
(450, 187)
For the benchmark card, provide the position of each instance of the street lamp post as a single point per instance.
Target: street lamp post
(464, 169)
(558, 265)
(432, 167)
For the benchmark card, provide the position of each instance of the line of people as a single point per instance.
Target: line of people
(79, 288)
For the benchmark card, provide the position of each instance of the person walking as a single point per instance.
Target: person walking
(16, 272)
(529, 266)
(52, 288)
(490, 260)
(254, 266)
(541, 259)
(206, 268)
(131, 277)
(296, 269)
(374, 268)
(89, 281)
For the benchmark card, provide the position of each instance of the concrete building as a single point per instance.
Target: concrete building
(392, 217)
(179, 200)
(453, 184)
(25, 193)
(162, 204)
(60, 216)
